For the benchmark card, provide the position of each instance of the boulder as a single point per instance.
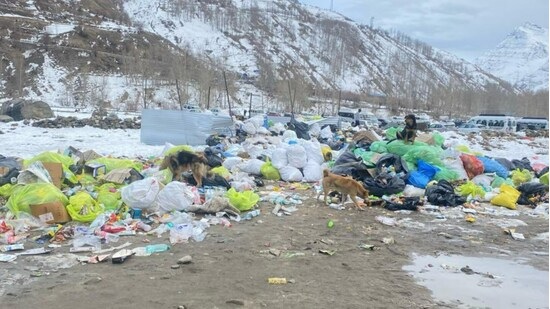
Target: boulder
(6, 118)
(20, 109)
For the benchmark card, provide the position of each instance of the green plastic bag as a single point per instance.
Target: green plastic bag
(507, 197)
(520, 176)
(35, 193)
(544, 179)
(439, 140)
(446, 174)
(49, 156)
(6, 190)
(428, 154)
(222, 171)
(114, 163)
(399, 147)
(379, 146)
(83, 208)
(470, 188)
(499, 181)
(177, 149)
(243, 201)
(391, 133)
(269, 171)
(367, 156)
(109, 196)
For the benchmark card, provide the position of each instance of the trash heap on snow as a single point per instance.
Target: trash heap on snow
(93, 201)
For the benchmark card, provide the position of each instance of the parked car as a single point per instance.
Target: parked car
(469, 128)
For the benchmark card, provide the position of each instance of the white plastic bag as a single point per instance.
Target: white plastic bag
(249, 128)
(289, 135)
(313, 172)
(242, 182)
(231, 162)
(290, 173)
(297, 156)
(181, 233)
(279, 157)
(175, 196)
(412, 191)
(313, 151)
(314, 130)
(277, 128)
(252, 166)
(326, 133)
(457, 166)
(142, 193)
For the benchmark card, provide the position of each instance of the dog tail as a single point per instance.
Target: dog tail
(325, 173)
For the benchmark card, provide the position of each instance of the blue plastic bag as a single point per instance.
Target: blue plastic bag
(493, 166)
(422, 175)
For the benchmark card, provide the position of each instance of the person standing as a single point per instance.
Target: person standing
(357, 117)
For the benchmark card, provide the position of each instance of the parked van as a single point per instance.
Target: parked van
(498, 122)
(532, 123)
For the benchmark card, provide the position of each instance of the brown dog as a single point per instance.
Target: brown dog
(346, 186)
(182, 161)
(409, 132)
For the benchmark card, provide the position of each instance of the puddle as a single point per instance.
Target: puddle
(491, 283)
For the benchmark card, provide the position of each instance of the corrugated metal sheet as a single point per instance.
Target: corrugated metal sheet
(181, 127)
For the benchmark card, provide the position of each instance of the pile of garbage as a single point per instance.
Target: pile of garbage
(89, 201)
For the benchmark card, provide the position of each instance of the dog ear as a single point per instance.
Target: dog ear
(174, 162)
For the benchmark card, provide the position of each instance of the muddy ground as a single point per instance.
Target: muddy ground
(231, 266)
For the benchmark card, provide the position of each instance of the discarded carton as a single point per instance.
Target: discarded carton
(425, 138)
(123, 175)
(54, 212)
(56, 172)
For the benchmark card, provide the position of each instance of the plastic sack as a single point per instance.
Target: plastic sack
(6, 190)
(442, 194)
(413, 191)
(326, 133)
(470, 188)
(279, 157)
(9, 168)
(315, 129)
(249, 128)
(243, 201)
(483, 180)
(252, 166)
(313, 151)
(297, 156)
(114, 163)
(379, 146)
(391, 133)
(109, 196)
(507, 197)
(400, 148)
(544, 179)
(428, 154)
(369, 157)
(83, 208)
(531, 193)
(423, 175)
(384, 184)
(230, 163)
(269, 171)
(175, 196)
(222, 171)
(290, 173)
(439, 140)
(289, 135)
(457, 166)
(313, 172)
(472, 165)
(499, 181)
(35, 193)
(326, 150)
(520, 176)
(446, 174)
(242, 182)
(493, 166)
(142, 193)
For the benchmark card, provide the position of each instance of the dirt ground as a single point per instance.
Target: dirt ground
(231, 266)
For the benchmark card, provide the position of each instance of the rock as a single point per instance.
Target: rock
(176, 266)
(6, 118)
(20, 109)
(237, 302)
(185, 260)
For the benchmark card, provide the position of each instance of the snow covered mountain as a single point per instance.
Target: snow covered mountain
(521, 58)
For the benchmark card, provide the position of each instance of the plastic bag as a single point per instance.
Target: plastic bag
(470, 188)
(290, 173)
(35, 193)
(289, 135)
(297, 156)
(252, 166)
(391, 133)
(109, 196)
(520, 176)
(141, 193)
(232, 162)
(222, 171)
(428, 154)
(423, 175)
(269, 171)
(472, 165)
(279, 157)
(176, 196)
(507, 197)
(457, 166)
(114, 163)
(384, 184)
(6, 190)
(313, 172)
(483, 180)
(399, 147)
(379, 146)
(493, 166)
(83, 208)
(413, 191)
(439, 140)
(9, 168)
(544, 179)
(446, 174)
(54, 157)
(243, 201)
(442, 194)
(326, 133)
(313, 151)
(369, 157)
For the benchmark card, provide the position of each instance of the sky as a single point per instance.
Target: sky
(466, 28)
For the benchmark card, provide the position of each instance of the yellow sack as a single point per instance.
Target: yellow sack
(520, 176)
(507, 197)
(269, 171)
(470, 188)
(35, 193)
(109, 196)
(326, 150)
(242, 200)
(544, 179)
(83, 208)
(222, 171)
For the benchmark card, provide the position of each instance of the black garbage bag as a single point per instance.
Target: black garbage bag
(214, 139)
(384, 184)
(301, 128)
(347, 157)
(506, 163)
(443, 194)
(394, 160)
(531, 193)
(357, 170)
(208, 181)
(213, 159)
(9, 168)
(523, 164)
(334, 145)
(542, 172)
(408, 203)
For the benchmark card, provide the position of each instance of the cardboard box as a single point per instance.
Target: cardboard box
(56, 172)
(49, 213)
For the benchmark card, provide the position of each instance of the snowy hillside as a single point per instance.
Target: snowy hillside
(521, 58)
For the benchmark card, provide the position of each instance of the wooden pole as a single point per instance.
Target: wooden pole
(178, 91)
(208, 98)
(227, 93)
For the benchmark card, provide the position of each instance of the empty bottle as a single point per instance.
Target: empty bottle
(150, 249)
(251, 214)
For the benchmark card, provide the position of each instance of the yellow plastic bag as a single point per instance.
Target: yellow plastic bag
(222, 171)
(109, 196)
(35, 193)
(83, 208)
(242, 200)
(326, 150)
(520, 176)
(269, 171)
(6, 190)
(507, 197)
(55, 157)
(114, 163)
(544, 179)
(470, 188)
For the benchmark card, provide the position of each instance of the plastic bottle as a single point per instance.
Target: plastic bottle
(150, 249)
(251, 214)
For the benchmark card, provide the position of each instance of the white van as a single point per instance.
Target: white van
(532, 123)
(497, 122)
